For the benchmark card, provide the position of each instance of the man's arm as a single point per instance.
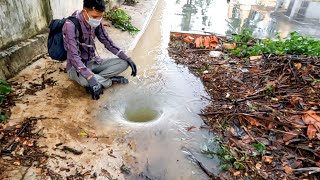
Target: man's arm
(103, 37)
(71, 45)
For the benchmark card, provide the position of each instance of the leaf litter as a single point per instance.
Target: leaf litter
(265, 109)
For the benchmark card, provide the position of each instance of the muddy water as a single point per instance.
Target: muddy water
(264, 17)
(169, 98)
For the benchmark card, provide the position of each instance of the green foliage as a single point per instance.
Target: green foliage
(269, 90)
(260, 147)
(3, 117)
(121, 20)
(243, 38)
(227, 160)
(5, 89)
(296, 44)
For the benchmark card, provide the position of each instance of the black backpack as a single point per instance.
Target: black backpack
(55, 40)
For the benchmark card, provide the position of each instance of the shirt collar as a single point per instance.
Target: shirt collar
(83, 20)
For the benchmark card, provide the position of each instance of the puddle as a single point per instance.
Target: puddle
(264, 17)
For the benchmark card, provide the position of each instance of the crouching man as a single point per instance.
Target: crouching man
(83, 65)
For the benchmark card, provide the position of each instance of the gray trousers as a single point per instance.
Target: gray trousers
(102, 72)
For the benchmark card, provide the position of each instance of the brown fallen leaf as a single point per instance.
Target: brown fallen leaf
(38, 170)
(311, 117)
(237, 173)
(251, 120)
(17, 163)
(295, 100)
(267, 159)
(258, 166)
(311, 131)
(298, 65)
(296, 119)
(288, 169)
(287, 136)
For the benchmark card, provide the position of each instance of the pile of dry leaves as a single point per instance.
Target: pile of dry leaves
(266, 109)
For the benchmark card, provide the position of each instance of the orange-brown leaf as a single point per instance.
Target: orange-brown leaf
(311, 132)
(188, 39)
(288, 169)
(251, 120)
(206, 41)
(311, 117)
(198, 41)
(287, 136)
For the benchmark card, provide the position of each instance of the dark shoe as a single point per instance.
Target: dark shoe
(119, 80)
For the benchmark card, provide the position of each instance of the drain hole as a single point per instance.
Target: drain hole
(142, 114)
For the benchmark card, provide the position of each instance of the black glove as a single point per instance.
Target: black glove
(95, 88)
(133, 67)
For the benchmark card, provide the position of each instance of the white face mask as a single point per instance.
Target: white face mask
(93, 22)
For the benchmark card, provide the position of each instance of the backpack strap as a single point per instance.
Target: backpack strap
(78, 26)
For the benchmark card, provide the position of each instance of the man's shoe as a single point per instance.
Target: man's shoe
(119, 80)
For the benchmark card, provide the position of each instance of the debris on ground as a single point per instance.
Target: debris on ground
(18, 145)
(72, 150)
(125, 169)
(264, 107)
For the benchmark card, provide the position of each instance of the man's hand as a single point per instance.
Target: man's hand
(133, 67)
(95, 88)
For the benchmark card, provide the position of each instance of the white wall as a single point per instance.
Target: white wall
(63, 8)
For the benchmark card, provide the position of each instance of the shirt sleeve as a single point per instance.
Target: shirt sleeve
(103, 37)
(72, 47)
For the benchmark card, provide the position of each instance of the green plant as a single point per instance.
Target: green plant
(296, 44)
(227, 160)
(261, 148)
(5, 89)
(121, 20)
(269, 90)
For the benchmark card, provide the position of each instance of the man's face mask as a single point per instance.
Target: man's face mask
(93, 22)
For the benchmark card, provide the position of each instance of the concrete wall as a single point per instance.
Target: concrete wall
(63, 8)
(21, 19)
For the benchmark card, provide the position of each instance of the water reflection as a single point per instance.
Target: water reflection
(264, 17)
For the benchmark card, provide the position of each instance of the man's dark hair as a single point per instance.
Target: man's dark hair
(98, 5)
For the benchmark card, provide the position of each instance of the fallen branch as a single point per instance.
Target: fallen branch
(74, 151)
(311, 170)
(249, 98)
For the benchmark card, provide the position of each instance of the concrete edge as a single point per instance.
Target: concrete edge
(17, 57)
(144, 27)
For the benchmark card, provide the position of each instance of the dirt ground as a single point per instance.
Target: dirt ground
(51, 132)
(264, 109)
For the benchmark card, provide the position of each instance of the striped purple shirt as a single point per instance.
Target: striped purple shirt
(79, 54)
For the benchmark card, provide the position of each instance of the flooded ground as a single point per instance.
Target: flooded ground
(264, 17)
(167, 96)
(158, 110)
